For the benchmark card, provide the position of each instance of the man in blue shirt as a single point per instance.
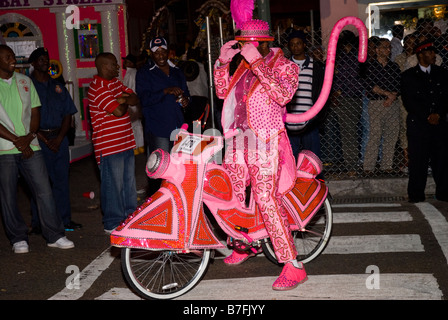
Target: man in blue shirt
(55, 121)
(163, 93)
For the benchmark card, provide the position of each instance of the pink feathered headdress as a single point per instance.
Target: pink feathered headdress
(251, 29)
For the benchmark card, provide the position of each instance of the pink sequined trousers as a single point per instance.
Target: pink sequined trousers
(260, 166)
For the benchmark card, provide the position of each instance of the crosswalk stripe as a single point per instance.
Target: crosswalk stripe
(87, 277)
(366, 244)
(366, 205)
(341, 286)
(361, 217)
(438, 223)
(404, 286)
(374, 244)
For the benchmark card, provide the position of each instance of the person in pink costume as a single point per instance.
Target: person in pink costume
(255, 97)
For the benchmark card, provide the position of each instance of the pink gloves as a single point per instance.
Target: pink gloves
(250, 53)
(227, 52)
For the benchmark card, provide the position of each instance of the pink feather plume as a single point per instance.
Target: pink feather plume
(242, 11)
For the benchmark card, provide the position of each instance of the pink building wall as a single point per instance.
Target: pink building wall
(331, 11)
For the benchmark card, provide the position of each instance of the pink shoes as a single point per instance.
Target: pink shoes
(237, 258)
(290, 277)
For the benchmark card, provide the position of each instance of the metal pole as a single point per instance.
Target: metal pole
(220, 32)
(264, 10)
(312, 27)
(210, 72)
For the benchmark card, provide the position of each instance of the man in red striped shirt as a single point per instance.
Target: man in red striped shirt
(113, 140)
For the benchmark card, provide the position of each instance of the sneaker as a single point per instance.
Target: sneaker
(62, 243)
(290, 277)
(20, 247)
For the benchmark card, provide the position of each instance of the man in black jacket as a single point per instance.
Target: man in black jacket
(425, 97)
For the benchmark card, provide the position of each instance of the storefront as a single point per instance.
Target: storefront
(382, 16)
(74, 32)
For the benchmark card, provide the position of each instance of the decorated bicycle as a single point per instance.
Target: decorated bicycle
(168, 242)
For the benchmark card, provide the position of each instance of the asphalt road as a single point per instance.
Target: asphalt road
(407, 243)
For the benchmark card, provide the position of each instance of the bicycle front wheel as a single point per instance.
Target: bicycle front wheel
(163, 274)
(312, 241)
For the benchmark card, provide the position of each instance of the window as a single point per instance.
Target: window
(88, 41)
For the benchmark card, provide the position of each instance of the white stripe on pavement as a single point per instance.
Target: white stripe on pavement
(337, 245)
(366, 205)
(369, 243)
(411, 286)
(87, 277)
(438, 223)
(361, 217)
(366, 244)
(374, 244)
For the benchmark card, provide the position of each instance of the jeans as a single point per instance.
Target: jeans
(155, 142)
(349, 112)
(384, 130)
(118, 187)
(58, 165)
(34, 171)
(305, 141)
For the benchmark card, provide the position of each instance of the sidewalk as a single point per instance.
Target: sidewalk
(374, 187)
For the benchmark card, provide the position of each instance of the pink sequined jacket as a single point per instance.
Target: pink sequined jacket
(276, 83)
(277, 80)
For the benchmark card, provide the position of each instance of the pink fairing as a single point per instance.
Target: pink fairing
(308, 165)
(329, 71)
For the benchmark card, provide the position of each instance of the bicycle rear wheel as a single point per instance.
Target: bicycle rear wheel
(163, 274)
(312, 241)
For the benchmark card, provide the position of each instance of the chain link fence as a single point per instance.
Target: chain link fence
(359, 136)
(350, 120)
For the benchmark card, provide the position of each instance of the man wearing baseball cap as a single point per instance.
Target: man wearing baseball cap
(163, 92)
(158, 42)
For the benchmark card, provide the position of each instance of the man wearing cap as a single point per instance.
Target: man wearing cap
(56, 112)
(163, 92)
(304, 135)
(20, 153)
(424, 90)
(254, 102)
